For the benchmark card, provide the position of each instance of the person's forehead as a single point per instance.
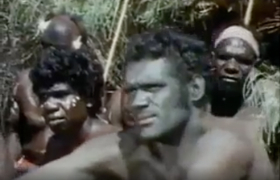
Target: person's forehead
(234, 43)
(146, 70)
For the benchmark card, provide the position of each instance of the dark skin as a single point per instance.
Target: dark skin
(95, 156)
(226, 120)
(192, 140)
(108, 145)
(233, 59)
(159, 155)
(66, 114)
(231, 144)
(29, 134)
(62, 31)
(155, 116)
(156, 139)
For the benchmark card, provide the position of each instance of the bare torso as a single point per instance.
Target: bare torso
(229, 139)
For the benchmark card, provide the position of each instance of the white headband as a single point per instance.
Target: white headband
(239, 32)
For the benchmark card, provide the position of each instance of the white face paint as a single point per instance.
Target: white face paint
(76, 44)
(74, 101)
(236, 47)
(238, 32)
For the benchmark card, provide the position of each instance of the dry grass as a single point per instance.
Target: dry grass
(263, 90)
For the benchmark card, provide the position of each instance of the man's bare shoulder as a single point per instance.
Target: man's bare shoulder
(102, 151)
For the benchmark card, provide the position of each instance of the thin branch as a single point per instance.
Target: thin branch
(248, 14)
(115, 40)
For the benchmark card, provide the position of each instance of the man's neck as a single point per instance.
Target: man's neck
(78, 135)
(225, 105)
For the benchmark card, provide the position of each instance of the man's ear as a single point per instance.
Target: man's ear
(197, 87)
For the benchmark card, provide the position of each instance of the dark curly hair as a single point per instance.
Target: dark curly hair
(72, 67)
(184, 50)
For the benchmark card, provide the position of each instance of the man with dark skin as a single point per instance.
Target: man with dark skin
(173, 76)
(69, 87)
(58, 30)
(160, 123)
(236, 52)
(208, 147)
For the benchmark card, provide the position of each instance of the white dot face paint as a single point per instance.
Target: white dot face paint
(236, 47)
(75, 101)
(241, 33)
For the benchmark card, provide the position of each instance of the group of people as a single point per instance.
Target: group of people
(181, 114)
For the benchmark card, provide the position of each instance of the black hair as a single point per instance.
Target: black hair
(72, 67)
(187, 52)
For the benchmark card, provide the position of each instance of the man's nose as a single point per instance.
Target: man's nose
(140, 100)
(50, 106)
(232, 68)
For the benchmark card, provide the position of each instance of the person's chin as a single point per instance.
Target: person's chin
(150, 133)
(59, 127)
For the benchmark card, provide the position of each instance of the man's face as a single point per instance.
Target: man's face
(234, 59)
(64, 110)
(154, 98)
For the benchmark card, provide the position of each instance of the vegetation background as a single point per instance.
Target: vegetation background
(19, 45)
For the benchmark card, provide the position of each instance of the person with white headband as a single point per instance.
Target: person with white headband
(223, 139)
(235, 52)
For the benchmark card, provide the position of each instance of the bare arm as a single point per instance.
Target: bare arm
(91, 161)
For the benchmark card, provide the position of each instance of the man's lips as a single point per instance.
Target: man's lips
(229, 79)
(55, 120)
(142, 121)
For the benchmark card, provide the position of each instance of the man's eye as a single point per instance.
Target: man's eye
(247, 62)
(223, 57)
(154, 89)
(42, 97)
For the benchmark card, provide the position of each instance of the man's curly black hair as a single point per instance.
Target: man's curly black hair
(183, 50)
(72, 67)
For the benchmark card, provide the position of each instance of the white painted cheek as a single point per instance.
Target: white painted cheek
(76, 44)
(74, 101)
